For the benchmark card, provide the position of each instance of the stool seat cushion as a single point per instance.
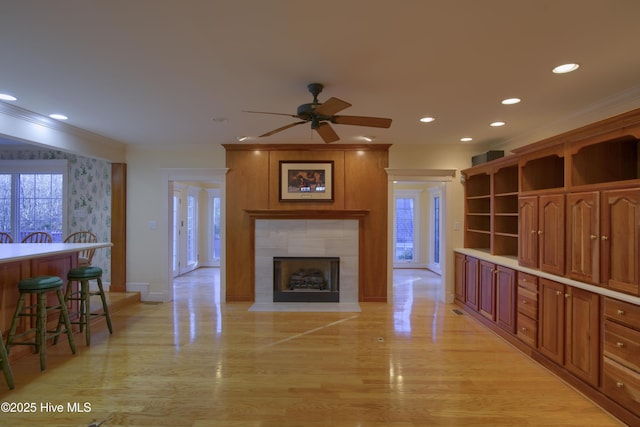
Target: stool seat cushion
(84, 272)
(40, 283)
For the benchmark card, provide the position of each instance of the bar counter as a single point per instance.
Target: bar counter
(22, 260)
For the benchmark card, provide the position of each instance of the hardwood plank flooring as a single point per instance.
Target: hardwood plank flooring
(196, 362)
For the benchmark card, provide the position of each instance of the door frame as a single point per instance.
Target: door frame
(444, 176)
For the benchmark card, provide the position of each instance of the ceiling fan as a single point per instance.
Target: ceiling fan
(322, 114)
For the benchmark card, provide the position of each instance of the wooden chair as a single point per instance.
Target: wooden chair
(86, 256)
(4, 361)
(36, 289)
(5, 237)
(38, 237)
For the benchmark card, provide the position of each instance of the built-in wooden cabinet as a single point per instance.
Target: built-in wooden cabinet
(620, 238)
(487, 290)
(621, 351)
(527, 309)
(542, 232)
(506, 298)
(568, 329)
(582, 334)
(491, 208)
(460, 277)
(583, 236)
(471, 287)
(566, 207)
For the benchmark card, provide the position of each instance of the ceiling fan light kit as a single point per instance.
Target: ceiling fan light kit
(322, 114)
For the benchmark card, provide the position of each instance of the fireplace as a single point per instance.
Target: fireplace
(306, 279)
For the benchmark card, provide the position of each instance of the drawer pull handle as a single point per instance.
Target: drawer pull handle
(619, 384)
(604, 238)
(620, 344)
(593, 237)
(620, 312)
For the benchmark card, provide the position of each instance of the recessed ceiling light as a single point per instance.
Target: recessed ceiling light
(427, 119)
(7, 97)
(58, 116)
(242, 138)
(497, 124)
(510, 101)
(466, 139)
(565, 68)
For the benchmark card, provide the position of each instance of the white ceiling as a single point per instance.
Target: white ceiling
(157, 73)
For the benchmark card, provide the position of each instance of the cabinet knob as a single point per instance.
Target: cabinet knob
(604, 238)
(620, 344)
(619, 384)
(533, 231)
(523, 329)
(539, 232)
(620, 312)
(558, 293)
(524, 301)
(567, 295)
(593, 237)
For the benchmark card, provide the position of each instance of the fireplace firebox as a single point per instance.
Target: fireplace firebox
(306, 279)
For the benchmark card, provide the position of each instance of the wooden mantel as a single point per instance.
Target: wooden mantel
(306, 214)
(360, 193)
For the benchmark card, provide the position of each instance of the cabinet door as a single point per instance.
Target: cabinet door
(506, 298)
(582, 334)
(471, 283)
(459, 287)
(583, 229)
(551, 234)
(619, 240)
(487, 301)
(528, 231)
(551, 320)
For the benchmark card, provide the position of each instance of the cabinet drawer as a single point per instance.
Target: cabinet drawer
(622, 385)
(622, 344)
(527, 330)
(528, 281)
(622, 312)
(528, 302)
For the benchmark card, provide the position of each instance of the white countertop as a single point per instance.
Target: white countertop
(20, 251)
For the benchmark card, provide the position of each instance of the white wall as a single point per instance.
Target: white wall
(148, 203)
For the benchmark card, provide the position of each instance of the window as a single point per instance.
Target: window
(191, 229)
(407, 226)
(33, 197)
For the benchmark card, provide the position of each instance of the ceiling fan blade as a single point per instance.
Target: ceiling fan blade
(376, 122)
(282, 128)
(266, 112)
(327, 133)
(332, 106)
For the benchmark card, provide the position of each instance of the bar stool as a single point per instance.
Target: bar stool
(83, 295)
(40, 286)
(4, 361)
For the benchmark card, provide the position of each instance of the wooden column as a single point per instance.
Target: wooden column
(118, 227)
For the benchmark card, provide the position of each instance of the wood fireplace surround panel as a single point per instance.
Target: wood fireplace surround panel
(360, 189)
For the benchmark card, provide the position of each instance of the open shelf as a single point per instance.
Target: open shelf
(543, 173)
(605, 162)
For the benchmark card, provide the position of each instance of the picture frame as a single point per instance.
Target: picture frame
(306, 181)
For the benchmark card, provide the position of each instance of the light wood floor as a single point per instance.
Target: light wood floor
(194, 362)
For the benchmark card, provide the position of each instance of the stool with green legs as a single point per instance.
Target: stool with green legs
(4, 361)
(83, 296)
(40, 286)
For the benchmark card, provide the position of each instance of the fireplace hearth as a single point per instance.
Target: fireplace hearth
(306, 279)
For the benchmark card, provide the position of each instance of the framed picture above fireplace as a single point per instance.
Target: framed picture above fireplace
(306, 181)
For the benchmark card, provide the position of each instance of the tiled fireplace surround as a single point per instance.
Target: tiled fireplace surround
(306, 238)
